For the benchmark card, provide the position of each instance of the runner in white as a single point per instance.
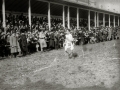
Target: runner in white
(69, 43)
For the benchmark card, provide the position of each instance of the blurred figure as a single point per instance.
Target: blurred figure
(15, 48)
(42, 40)
(7, 45)
(2, 44)
(52, 42)
(57, 37)
(23, 42)
(69, 43)
(109, 34)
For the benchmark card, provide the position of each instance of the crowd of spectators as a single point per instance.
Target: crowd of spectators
(20, 39)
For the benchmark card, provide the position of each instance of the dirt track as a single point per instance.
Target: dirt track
(97, 70)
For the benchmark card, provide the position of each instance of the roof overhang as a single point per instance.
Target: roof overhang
(81, 6)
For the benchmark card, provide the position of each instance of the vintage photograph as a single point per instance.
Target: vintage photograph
(59, 44)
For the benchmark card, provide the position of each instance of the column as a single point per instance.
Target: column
(95, 19)
(49, 16)
(103, 19)
(77, 18)
(3, 14)
(118, 21)
(109, 21)
(63, 16)
(29, 13)
(88, 19)
(68, 17)
(114, 20)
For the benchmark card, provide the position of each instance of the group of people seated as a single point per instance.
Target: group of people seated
(20, 39)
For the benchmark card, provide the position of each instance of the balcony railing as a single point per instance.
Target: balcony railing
(86, 2)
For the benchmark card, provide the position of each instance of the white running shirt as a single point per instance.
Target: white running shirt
(68, 42)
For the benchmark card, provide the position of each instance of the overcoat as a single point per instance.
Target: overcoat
(14, 45)
(23, 43)
(52, 43)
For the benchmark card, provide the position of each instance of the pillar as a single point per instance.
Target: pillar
(118, 21)
(49, 16)
(68, 15)
(103, 19)
(3, 14)
(114, 20)
(29, 13)
(63, 16)
(95, 19)
(109, 21)
(88, 19)
(77, 18)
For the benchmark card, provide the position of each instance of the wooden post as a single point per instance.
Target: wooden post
(63, 16)
(29, 13)
(68, 17)
(3, 14)
(49, 16)
(77, 18)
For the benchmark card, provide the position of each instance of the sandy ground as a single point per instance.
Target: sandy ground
(96, 68)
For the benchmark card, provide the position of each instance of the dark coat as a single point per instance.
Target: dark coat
(23, 43)
(14, 44)
(52, 40)
(2, 46)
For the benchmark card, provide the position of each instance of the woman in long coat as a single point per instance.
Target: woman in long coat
(14, 45)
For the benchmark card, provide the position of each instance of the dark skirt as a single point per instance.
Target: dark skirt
(52, 43)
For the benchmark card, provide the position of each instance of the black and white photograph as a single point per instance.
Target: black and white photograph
(59, 44)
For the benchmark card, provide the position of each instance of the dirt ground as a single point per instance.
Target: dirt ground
(97, 67)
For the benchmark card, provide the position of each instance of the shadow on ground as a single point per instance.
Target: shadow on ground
(117, 85)
(42, 85)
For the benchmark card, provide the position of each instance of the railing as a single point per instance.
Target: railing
(86, 2)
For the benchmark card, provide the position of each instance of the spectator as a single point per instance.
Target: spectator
(42, 40)
(23, 42)
(15, 48)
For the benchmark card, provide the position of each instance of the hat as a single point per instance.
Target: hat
(3, 33)
(42, 28)
(22, 30)
(18, 32)
(8, 33)
(14, 31)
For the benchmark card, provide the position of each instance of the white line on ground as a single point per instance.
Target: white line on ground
(51, 65)
(55, 60)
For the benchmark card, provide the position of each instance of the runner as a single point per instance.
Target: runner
(69, 45)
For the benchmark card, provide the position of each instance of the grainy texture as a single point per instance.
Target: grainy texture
(98, 69)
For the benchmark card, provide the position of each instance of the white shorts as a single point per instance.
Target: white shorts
(69, 45)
